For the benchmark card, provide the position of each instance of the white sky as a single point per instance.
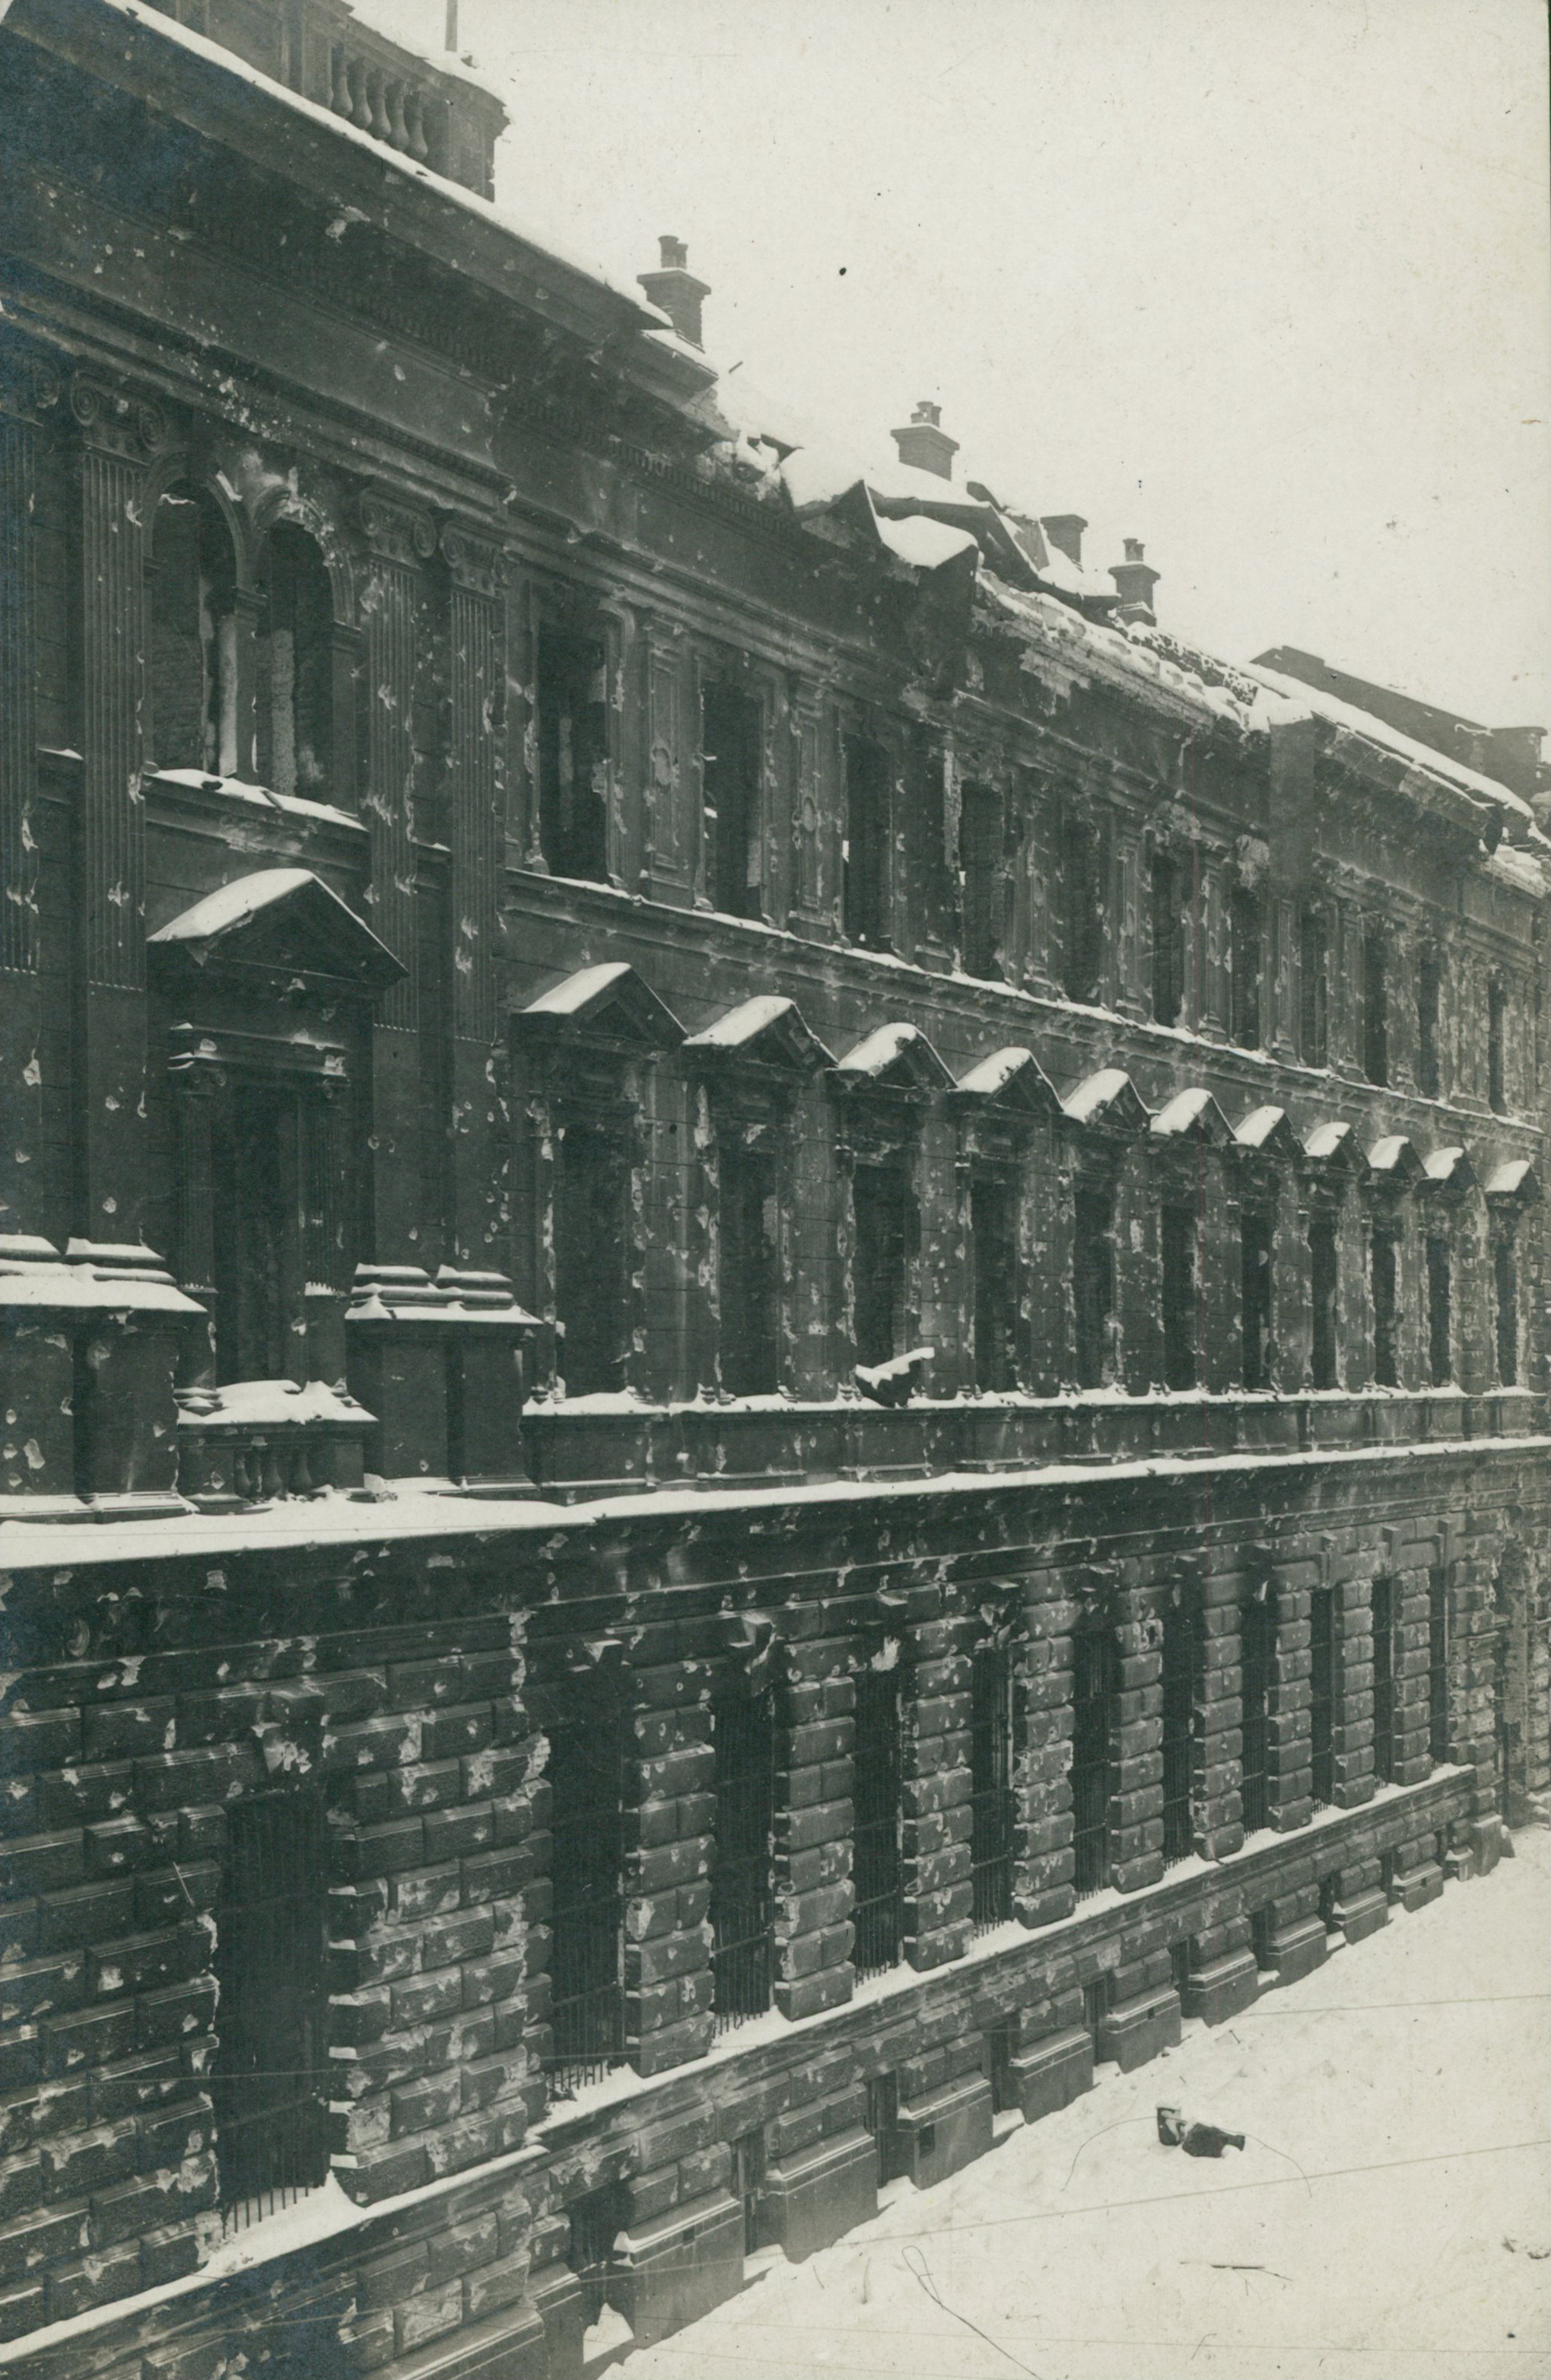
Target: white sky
(1266, 282)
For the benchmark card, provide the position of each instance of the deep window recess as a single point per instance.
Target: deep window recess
(878, 1915)
(1182, 1303)
(1437, 1663)
(1254, 1251)
(1258, 1644)
(586, 1778)
(193, 710)
(1384, 1273)
(1313, 988)
(1440, 1303)
(1322, 1695)
(572, 720)
(884, 1214)
(990, 1771)
(1169, 940)
(591, 1211)
(1261, 1927)
(1429, 989)
(1093, 1283)
(981, 832)
(865, 900)
(295, 667)
(1096, 1680)
(1497, 1011)
(993, 1207)
(1324, 1282)
(272, 2072)
(1376, 1004)
(1505, 1283)
(1502, 1727)
(749, 1225)
(881, 2119)
(1182, 1656)
(597, 2219)
(1082, 906)
(1248, 937)
(748, 2183)
(742, 1910)
(730, 736)
(1098, 1998)
(1001, 2071)
(1384, 1681)
(256, 1161)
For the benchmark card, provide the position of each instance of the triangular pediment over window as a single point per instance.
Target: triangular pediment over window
(1267, 1132)
(895, 1058)
(1393, 1159)
(1107, 1101)
(1011, 1080)
(766, 1031)
(280, 919)
(1191, 1114)
(606, 1004)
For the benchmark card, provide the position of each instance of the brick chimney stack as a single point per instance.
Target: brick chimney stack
(1065, 533)
(676, 289)
(1135, 579)
(924, 443)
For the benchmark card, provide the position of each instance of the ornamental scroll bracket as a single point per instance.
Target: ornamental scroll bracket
(117, 421)
(396, 531)
(477, 564)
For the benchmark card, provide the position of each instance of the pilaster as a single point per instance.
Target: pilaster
(476, 691)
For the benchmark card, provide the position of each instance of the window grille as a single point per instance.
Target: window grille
(981, 832)
(1496, 1013)
(881, 2119)
(742, 1910)
(1248, 937)
(1182, 1303)
(1505, 1281)
(1325, 1277)
(1093, 1282)
(748, 1221)
(1440, 1302)
(1313, 988)
(591, 1176)
(1383, 1273)
(587, 1865)
(877, 1768)
(271, 2078)
(1096, 1680)
(1429, 988)
(865, 900)
(571, 710)
(1375, 1005)
(993, 1237)
(1384, 1616)
(1181, 1654)
(748, 2183)
(990, 1770)
(1321, 1697)
(881, 1203)
(1254, 1252)
(597, 2219)
(1437, 1663)
(1083, 903)
(1258, 1643)
(730, 739)
(1168, 955)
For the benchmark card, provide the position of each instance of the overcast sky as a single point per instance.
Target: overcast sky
(1266, 282)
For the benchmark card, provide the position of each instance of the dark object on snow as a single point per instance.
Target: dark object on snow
(1196, 2139)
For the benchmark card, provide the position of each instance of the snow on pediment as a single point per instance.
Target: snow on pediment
(1109, 1102)
(1393, 1159)
(280, 917)
(1515, 1182)
(765, 1031)
(1449, 1169)
(1011, 1079)
(607, 1003)
(1193, 1112)
(894, 1058)
(1267, 1132)
(1336, 1145)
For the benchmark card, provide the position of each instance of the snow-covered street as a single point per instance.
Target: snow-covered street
(1388, 2219)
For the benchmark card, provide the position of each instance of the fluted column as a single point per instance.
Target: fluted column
(29, 389)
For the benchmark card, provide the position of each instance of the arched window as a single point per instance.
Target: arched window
(193, 710)
(295, 666)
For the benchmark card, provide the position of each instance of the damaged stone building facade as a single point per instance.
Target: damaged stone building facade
(772, 1297)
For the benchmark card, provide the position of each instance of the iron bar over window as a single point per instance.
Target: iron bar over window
(749, 1267)
(1497, 1011)
(1181, 1663)
(1093, 1273)
(587, 1864)
(271, 2072)
(1083, 903)
(572, 721)
(1169, 940)
(991, 1772)
(1324, 1281)
(1248, 935)
(1384, 1681)
(1437, 1662)
(993, 1225)
(1182, 1298)
(1321, 1697)
(877, 1768)
(592, 1210)
(1505, 1282)
(742, 1910)
(1313, 995)
(1376, 1004)
(867, 806)
(729, 763)
(884, 1211)
(1429, 988)
(1440, 1324)
(1258, 1643)
(981, 832)
(1096, 1680)
(1383, 1271)
(1254, 1265)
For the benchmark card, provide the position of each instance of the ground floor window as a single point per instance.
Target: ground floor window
(586, 1776)
(1256, 1654)
(1321, 1697)
(990, 1768)
(1437, 1663)
(1385, 1696)
(1096, 1665)
(1180, 1664)
(271, 2078)
(878, 1915)
(742, 1910)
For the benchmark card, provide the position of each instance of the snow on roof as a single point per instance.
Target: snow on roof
(743, 1023)
(219, 912)
(1393, 1154)
(1509, 1180)
(925, 544)
(574, 992)
(878, 1050)
(1190, 1110)
(1327, 1140)
(1447, 1164)
(275, 1403)
(1314, 699)
(1100, 1092)
(1258, 1127)
(992, 1075)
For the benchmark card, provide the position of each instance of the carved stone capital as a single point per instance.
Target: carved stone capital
(477, 564)
(117, 421)
(396, 531)
(31, 383)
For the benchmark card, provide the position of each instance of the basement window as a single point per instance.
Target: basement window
(1322, 1695)
(1182, 1300)
(191, 712)
(884, 1210)
(591, 1219)
(1429, 996)
(731, 726)
(878, 1864)
(1385, 1697)
(1313, 988)
(1384, 1273)
(1255, 1227)
(869, 826)
(991, 1776)
(597, 2219)
(1440, 1310)
(1324, 1281)
(1092, 1277)
(749, 1225)
(1497, 1013)
(572, 721)
(587, 1862)
(981, 834)
(993, 1209)
(1375, 1003)
(1083, 907)
(295, 666)
(1095, 1699)
(1169, 939)
(881, 2119)
(748, 2187)
(1505, 1282)
(1248, 939)
(742, 1904)
(1258, 1644)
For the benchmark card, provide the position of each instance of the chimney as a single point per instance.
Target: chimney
(1065, 533)
(1135, 579)
(676, 289)
(924, 443)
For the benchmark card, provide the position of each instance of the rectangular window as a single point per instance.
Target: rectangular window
(884, 1213)
(981, 834)
(1313, 988)
(993, 1209)
(1001, 2071)
(748, 1221)
(1322, 1695)
(271, 2085)
(1248, 937)
(1429, 991)
(730, 738)
(1437, 1663)
(991, 1773)
(1095, 1688)
(1262, 1931)
(742, 1910)
(596, 2220)
(1258, 1643)
(865, 851)
(1182, 1300)
(1182, 1660)
(877, 1866)
(1505, 1282)
(572, 723)
(255, 1153)
(1093, 1283)
(1384, 1681)
(1169, 940)
(1440, 1310)
(748, 2184)
(1376, 1004)
(1325, 1279)
(1082, 906)
(587, 1862)
(591, 1214)
(881, 2119)
(1497, 1013)
(1255, 1267)
(1383, 1271)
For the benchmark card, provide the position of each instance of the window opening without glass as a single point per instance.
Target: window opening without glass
(1181, 1653)
(731, 740)
(587, 1837)
(749, 1219)
(1096, 1680)
(742, 1903)
(877, 1768)
(1321, 1697)
(991, 1769)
